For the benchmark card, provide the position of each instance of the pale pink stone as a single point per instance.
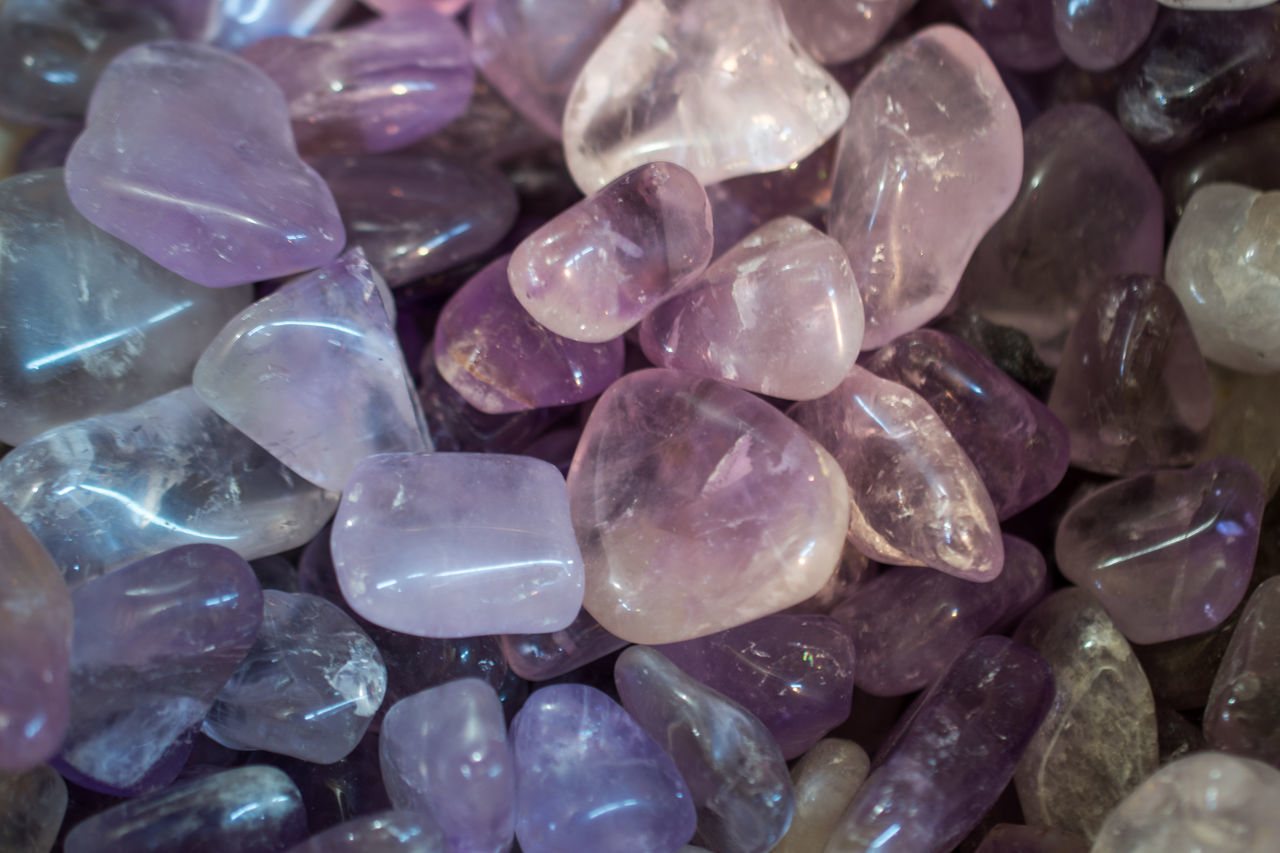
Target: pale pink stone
(916, 497)
(777, 314)
(698, 508)
(930, 158)
(599, 267)
(717, 86)
(836, 31)
(445, 7)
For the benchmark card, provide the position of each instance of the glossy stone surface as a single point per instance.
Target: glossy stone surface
(588, 777)
(34, 804)
(231, 24)
(716, 86)
(1099, 738)
(374, 87)
(1017, 445)
(1223, 265)
(525, 49)
(111, 489)
(1243, 714)
(154, 642)
(444, 752)
(502, 360)
(52, 51)
(833, 31)
(699, 507)
(76, 344)
(951, 755)
(793, 672)
(539, 657)
(271, 372)
(916, 498)
(911, 622)
(1132, 386)
(1098, 35)
(1019, 34)
(458, 544)
(1240, 156)
(414, 216)
(1198, 72)
(1012, 838)
(447, 7)
(779, 313)
(249, 809)
(1168, 553)
(188, 156)
(916, 187)
(825, 780)
(1083, 214)
(1206, 801)
(599, 267)
(309, 686)
(384, 832)
(35, 649)
(733, 766)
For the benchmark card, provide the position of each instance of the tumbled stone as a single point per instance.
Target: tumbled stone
(457, 545)
(188, 156)
(699, 507)
(1018, 446)
(825, 780)
(598, 268)
(916, 497)
(446, 7)
(952, 755)
(1243, 713)
(915, 189)
(910, 623)
(834, 31)
(1019, 34)
(111, 489)
(501, 360)
(232, 25)
(539, 657)
(34, 803)
(272, 371)
(1098, 740)
(35, 649)
(793, 672)
(529, 54)
(1206, 801)
(1197, 72)
(1169, 552)
(444, 752)
(1132, 387)
(1239, 156)
(1083, 214)
(384, 832)
(1012, 838)
(309, 686)
(1098, 35)
(249, 809)
(414, 216)
(1224, 266)
(588, 777)
(720, 88)
(374, 87)
(735, 770)
(779, 313)
(80, 344)
(52, 51)
(154, 642)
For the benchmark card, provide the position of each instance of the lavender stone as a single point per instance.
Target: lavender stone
(188, 156)
(1100, 34)
(230, 24)
(385, 832)
(588, 777)
(1243, 712)
(154, 642)
(309, 686)
(1019, 34)
(539, 657)
(444, 752)
(735, 770)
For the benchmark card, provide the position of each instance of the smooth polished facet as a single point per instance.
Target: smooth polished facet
(112, 489)
(539, 657)
(825, 779)
(1243, 713)
(1098, 35)
(232, 24)
(836, 31)
(384, 832)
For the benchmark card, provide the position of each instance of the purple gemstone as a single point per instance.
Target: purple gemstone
(539, 657)
(384, 832)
